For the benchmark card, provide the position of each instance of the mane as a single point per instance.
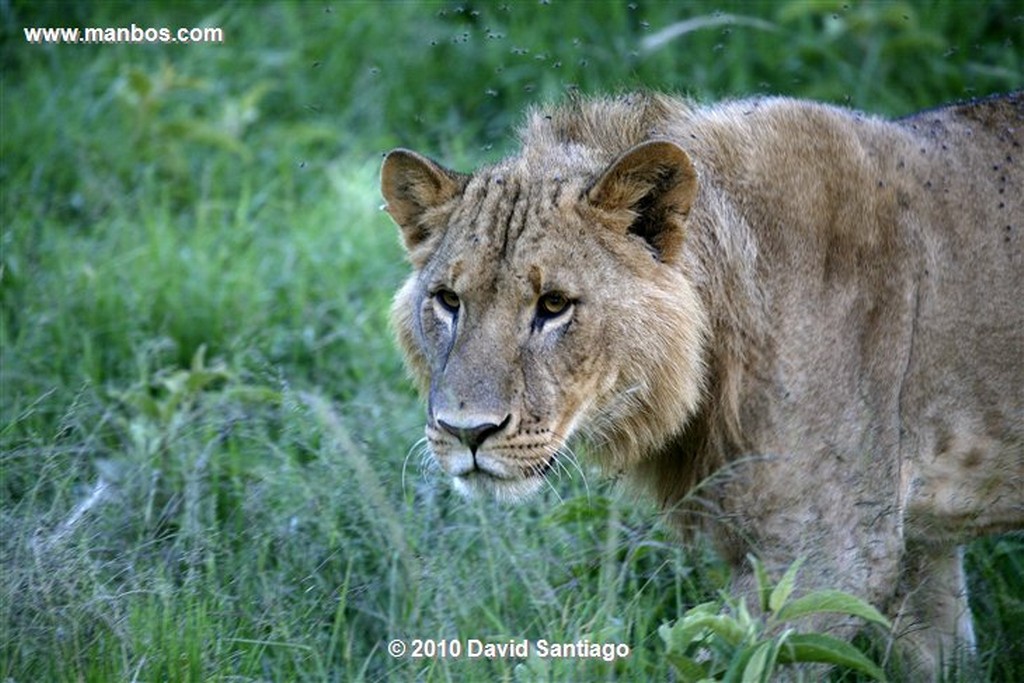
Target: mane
(606, 126)
(722, 260)
(686, 473)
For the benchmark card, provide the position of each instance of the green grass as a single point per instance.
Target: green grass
(208, 447)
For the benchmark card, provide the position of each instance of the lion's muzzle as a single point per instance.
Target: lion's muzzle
(473, 434)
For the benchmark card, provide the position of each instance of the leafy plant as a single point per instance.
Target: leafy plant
(722, 641)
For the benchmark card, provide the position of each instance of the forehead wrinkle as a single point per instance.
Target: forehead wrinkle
(493, 206)
(509, 227)
(467, 239)
(544, 214)
(478, 200)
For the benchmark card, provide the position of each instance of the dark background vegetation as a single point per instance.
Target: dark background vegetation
(205, 430)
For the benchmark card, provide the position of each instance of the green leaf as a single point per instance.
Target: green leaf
(722, 626)
(764, 586)
(743, 618)
(696, 627)
(738, 661)
(814, 647)
(761, 664)
(784, 588)
(677, 636)
(688, 669)
(823, 601)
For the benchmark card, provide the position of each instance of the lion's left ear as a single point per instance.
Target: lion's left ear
(656, 183)
(412, 184)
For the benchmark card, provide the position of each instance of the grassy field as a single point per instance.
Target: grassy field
(208, 462)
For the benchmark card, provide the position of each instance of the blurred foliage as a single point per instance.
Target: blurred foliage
(442, 74)
(724, 641)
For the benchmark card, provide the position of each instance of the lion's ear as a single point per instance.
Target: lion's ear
(412, 184)
(656, 184)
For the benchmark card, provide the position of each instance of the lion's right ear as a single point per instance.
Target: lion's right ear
(654, 185)
(412, 184)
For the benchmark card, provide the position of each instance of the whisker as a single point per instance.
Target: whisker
(538, 470)
(575, 462)
(428, 463)
(565, 452)
(421, 445)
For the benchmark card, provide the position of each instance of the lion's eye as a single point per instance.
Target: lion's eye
(448, 299)
(552, 305)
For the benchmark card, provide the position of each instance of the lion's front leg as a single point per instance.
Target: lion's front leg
(848, 539)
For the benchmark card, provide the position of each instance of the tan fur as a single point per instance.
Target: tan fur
(798, 327)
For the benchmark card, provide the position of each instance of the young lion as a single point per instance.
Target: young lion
(800, 326)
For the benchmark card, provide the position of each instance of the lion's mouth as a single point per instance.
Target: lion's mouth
(476, 469)
(504, 486)
(508, 468)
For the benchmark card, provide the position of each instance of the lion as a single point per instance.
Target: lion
(800, 328)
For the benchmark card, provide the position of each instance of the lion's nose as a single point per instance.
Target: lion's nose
(472, 435)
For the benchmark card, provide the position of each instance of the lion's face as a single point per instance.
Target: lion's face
(544, 304)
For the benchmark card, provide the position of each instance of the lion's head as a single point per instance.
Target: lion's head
(550, 297)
